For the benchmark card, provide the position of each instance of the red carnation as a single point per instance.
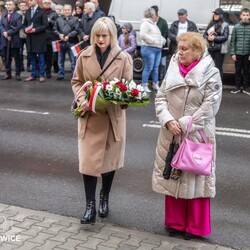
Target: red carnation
(135, 92)
(122, 86)
(105, 84)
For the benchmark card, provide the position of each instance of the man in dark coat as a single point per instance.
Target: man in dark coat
(23, 7)
(51, 36)
(10, 24)
(35, 24)
(178, 27)
(98, 11)
(87, 22)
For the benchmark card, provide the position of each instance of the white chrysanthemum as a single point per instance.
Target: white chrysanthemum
(113, 82)
(144, 94)
(132, 85)
(109, 87)
(139, 96)
(118, 91)
(140, 87)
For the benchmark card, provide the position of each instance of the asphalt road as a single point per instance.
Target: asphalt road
(39, 166)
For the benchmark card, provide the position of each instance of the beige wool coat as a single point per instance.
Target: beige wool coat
(101, 136)
(198, 94)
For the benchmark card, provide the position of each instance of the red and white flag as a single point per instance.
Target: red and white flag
(29, 28)
(56, 46)
(211, 31)
(76, 49)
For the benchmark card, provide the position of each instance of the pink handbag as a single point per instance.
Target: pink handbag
(194, 157)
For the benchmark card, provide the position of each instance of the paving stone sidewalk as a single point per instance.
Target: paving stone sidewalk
(27, 229)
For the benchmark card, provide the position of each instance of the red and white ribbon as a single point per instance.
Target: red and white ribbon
(84, 86)
(95, 92)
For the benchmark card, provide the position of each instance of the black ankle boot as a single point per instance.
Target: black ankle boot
(103, 205)
(89, 216)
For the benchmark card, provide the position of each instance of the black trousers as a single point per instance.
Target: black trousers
(90, 183)
(49, 58)
(218, 60)
(23, 41)
(13, 52)
(242, 65)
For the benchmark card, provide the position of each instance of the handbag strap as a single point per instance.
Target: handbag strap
(110, 63)
(83, 86)
(200, 130)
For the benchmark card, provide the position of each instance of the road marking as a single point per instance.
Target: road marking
(232, 134)
(243, 133)
(25, 111)
(234, 130)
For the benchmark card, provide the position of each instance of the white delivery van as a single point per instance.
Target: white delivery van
(199, 11)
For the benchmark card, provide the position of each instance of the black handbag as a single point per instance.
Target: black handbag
(74, 105)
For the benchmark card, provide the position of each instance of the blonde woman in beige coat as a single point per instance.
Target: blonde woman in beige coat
(192, 87)
(101, 136)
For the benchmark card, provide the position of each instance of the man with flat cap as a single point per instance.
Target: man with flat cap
(178, 27)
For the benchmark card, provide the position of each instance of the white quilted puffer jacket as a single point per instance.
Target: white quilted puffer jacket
(198, 94)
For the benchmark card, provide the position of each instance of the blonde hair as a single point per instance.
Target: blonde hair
(104, 24)
(59, 7)
(195, 41)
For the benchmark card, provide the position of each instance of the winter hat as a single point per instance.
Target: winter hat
(218, 11)
(128, 27)
(182, 12)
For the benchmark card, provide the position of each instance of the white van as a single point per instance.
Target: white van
(199, 11)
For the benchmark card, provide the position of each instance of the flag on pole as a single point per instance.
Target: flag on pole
(76, 49)
(56, 46)
(29, 28)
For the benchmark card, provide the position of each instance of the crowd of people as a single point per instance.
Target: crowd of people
(48, 32)
(20, 30)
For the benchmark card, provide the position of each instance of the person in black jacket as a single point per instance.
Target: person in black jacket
(78, 12)
(51, 36)
(178, 27)
(22, 10)
(10, 24)
(35, 24)
(87, 22)
(98, 11)
(66, 27)
(216, 34)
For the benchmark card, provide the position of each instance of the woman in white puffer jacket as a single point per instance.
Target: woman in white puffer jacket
(192, 87)
(151, 44)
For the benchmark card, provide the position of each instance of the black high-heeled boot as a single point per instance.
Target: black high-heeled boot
(103, 205)
(89, 216)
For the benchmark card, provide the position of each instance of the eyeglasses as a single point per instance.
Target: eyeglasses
(46, 2)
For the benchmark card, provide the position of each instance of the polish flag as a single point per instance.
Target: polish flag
(29, 28)
(211, 31)
(76, 49)
(56, 46)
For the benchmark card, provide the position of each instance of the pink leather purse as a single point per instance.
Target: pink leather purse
(194, 157)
